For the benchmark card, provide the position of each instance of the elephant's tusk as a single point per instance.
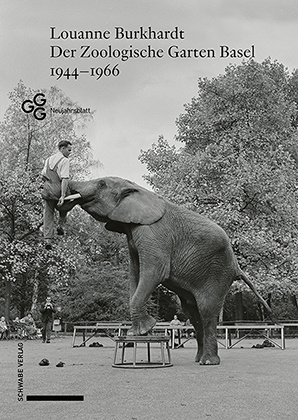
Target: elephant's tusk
(72, 197)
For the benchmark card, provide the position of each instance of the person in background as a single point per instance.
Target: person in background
(175, 321)
(176, 333)
(28, 323)
(47, 320)
(3, 328)
(17, 327)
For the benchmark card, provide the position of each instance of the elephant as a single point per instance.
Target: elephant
(169, 245)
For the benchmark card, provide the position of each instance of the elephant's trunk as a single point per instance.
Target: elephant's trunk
(85, 188)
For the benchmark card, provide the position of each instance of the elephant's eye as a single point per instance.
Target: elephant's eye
(102, 184)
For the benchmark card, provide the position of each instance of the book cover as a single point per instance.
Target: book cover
(119, 79)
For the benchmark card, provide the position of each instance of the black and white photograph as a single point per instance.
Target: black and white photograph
(148, 209)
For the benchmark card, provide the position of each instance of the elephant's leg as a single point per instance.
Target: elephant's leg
(198, 325)
(149, 279)
(134, 272)
(209, 311)
(153, 267)
(142, 322)
(191, 309)
(210, 346)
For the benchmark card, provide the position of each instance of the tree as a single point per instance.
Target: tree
(24, 144)
(26, 141)
(97, 292)
(238, 166)
(99, 289)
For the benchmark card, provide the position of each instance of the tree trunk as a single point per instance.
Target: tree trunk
(269, 299)
(7, 300)
(262, 312)
(294, 301)
(220, 319)
(34, 294)
(28, 144)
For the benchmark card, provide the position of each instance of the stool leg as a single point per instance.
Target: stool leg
(123, 350)
(134, 354)
(169, 353)
(148, 352)
(115, 353)
(162, 350)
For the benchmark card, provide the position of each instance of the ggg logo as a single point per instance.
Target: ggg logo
(35, 106)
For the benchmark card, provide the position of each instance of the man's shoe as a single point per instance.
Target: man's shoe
(48, 244)
(48, 341)
(60, 231)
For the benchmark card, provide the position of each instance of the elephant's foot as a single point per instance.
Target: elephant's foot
(209, 360)
(199, 355)
(208, 351)
(142, 326)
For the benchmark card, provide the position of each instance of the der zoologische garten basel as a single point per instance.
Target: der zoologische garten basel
(173, 51)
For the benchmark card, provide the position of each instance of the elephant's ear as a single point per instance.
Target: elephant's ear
(138, 205)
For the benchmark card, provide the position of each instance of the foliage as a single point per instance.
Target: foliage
(70, 272)
(20, 203)
(238, 166)
(97, 292)
(97, 243)
(24, 144)
(99, 289)
(284, 307)
(167, 305)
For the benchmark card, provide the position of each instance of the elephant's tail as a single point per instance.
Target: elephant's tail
(244, 277)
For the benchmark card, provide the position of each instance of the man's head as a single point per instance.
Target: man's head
(65, 147)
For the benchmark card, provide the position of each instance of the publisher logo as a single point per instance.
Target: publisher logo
(36, 106)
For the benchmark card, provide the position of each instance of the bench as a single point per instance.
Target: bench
(113, 329)
(117, 329)
(110, 329)
(290, 326)
(248, 328)
(168, 329)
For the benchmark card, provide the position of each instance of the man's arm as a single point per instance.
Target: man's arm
(64, 185)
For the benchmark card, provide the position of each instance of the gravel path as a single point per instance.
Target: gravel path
(249, 383)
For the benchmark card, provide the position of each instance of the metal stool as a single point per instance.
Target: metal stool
(135, 340)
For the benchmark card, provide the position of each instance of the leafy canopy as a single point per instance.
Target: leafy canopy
(238, 166)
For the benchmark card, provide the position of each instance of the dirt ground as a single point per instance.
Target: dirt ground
(249, 383)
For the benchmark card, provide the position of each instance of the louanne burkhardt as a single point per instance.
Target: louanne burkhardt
(119, 33)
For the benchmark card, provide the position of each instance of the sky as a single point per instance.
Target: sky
(142, 102)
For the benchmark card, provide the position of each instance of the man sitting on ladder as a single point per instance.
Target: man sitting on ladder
(55, 173)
